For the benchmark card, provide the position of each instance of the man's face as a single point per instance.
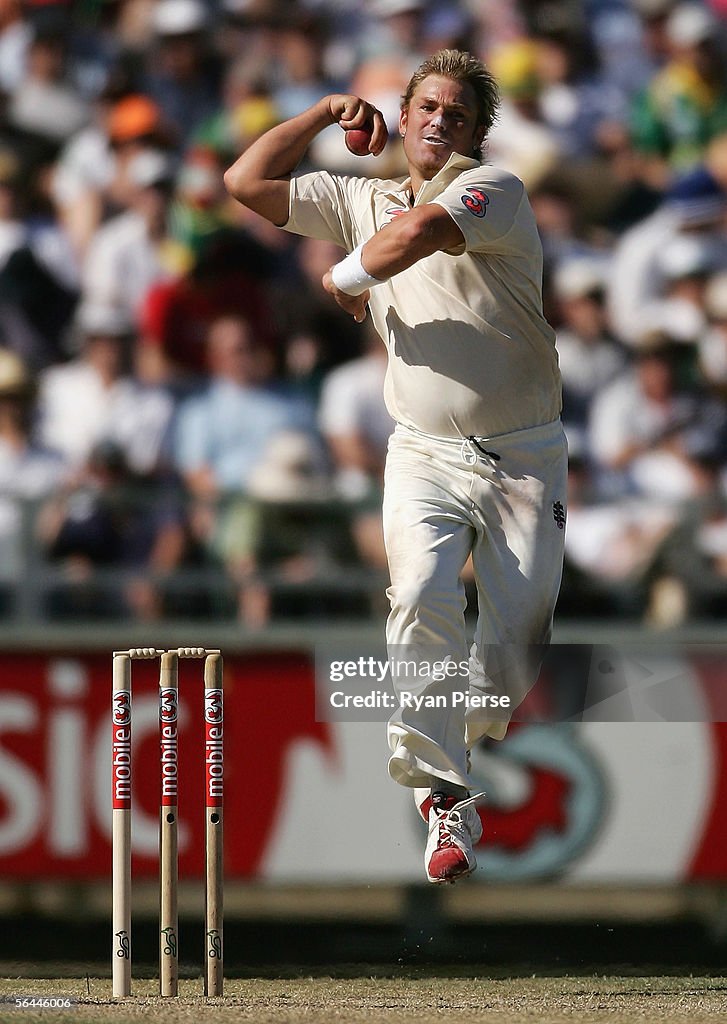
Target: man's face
(441, 119)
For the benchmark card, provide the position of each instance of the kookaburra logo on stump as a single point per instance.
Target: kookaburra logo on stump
(559, 514)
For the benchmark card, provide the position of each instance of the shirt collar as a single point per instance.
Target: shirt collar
(451, 170)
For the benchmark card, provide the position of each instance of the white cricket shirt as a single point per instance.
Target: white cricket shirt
(470, 352)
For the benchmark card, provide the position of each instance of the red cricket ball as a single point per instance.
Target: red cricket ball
(358, 139)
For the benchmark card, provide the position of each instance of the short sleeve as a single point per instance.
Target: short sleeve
(485, 205)
(321, 207)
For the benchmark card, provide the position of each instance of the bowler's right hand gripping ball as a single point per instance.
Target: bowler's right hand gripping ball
(358, 139)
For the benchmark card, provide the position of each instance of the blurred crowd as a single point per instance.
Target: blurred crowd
(190, 427)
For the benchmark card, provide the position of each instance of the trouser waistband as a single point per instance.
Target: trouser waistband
(475, 446)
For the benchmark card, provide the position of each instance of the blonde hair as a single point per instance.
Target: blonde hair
(460, 67)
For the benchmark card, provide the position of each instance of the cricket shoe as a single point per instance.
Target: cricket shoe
(423, 797)
(454, 830)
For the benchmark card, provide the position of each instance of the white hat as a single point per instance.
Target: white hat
(684, 256)
(150, 167)
(94, 317)
(689, 24)
(577, 277)
(179, 17)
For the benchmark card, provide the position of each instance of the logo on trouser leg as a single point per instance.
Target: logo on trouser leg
(559, 514)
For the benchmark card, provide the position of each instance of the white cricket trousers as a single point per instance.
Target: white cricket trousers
(502, 500)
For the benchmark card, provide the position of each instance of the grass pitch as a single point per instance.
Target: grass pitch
(421, 996)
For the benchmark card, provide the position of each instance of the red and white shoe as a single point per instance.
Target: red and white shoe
(454, 830)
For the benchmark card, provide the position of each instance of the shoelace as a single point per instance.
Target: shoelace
(445, 836)
(449, 821)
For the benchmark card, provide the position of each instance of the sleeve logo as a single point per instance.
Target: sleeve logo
(476, 201)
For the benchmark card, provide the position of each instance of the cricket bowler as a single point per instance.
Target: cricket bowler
(448, 263)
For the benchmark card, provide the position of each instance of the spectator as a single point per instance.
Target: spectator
(685, 104)
(396, 29)
(129, 253)
(37, 272)
(520, 141)
(117, 539)
(250, 28)
(654, 17)
(563, 230)
(283, 539)
(302, 370)
(694, 206)
(28, 472)
(301, 78)
(248, 109)
(694, 560)
(182, 78)
(641, 426)
(97, 47)
(619, 197)
(93, 398)
(91, 173)
(576, 102)
(44, 102)
(196, 213)
(631, 43)
(356, 425)
(229, 278)
(611, 548)
(588, 355)
(222, 432)
(132, 125)
(223, 435)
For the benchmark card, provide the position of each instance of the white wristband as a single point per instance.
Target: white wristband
(349, 275)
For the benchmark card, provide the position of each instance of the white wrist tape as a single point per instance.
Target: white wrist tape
(349, 275)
